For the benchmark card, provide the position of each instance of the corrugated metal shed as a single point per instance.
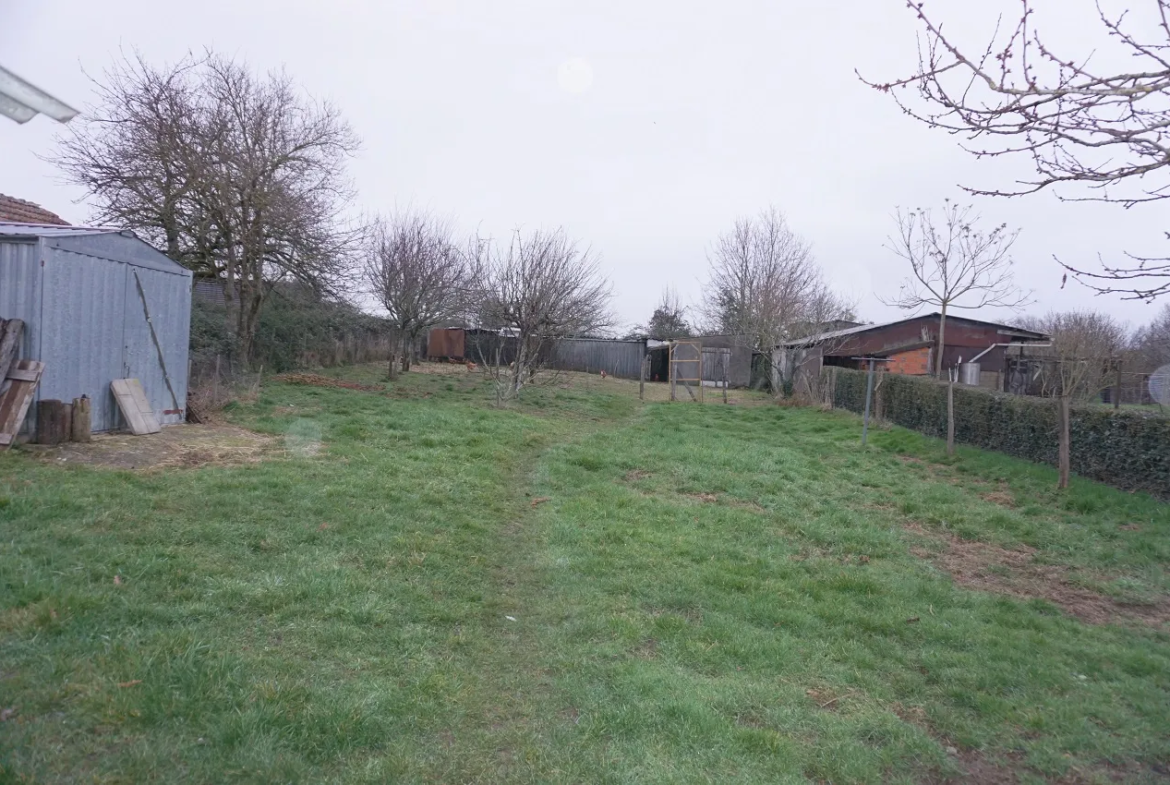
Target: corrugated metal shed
(84, 295)
(622, 359)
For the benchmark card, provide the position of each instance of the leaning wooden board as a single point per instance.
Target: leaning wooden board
(135, 408)
(23, 379)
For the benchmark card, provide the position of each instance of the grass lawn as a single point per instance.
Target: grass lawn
(418, 587)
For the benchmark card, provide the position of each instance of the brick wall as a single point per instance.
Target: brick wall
(915, 362)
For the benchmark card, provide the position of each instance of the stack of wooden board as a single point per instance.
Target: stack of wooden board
(18, 381)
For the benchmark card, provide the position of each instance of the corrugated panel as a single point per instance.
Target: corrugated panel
(168, 300)
(617, 358)
(20, 287)
(81, 331)
(20, 296)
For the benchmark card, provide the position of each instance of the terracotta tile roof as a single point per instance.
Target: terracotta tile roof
(20, 211)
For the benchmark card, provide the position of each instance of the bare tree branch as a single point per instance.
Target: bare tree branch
(538, 288)
(953, 265)
(765, 285)
(1107, 133)
(234, 175)
(414, 269)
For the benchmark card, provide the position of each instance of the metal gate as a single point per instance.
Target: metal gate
(686, 371)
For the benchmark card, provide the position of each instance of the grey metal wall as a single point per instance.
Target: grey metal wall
(617, 358)
(85, 319)
(20, 287)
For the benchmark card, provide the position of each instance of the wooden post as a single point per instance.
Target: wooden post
(82, 420)
(670, 370)
(725, 378)
(53, 422)
(642, 379)
(1064, 448)
(951, 411)
(868, 399)
(1117, 388)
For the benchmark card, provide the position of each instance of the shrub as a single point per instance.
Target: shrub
(291, 334)
(1126, 449)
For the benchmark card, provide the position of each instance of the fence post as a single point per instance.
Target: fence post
(725, 378)
(1117, 388)
(868, 397)
(642, 379)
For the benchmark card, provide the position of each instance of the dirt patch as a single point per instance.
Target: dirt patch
(637, 474)
(986, 567)
(707, 498)
(1001, 496)
(646, 650)
(177, 446)
(316, 380)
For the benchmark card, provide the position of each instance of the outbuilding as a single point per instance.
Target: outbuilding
(910, 347)
(98, 305)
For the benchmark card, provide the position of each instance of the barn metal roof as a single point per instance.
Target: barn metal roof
(865, 328)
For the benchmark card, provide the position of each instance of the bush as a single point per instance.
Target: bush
(1126, 449)
(291, 334)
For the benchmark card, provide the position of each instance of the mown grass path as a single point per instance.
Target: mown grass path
(696, 594)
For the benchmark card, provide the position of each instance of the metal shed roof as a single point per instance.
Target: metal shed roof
(95, 241)
(864, 328)
(14, 229)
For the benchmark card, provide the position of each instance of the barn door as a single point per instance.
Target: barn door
(155, 338)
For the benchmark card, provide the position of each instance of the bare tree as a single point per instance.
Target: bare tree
(1077, 367)
(1079, 125)
(764, 282)
(235, 175)
(1150, 345)
(669, 320)
(538, 288)
(414, 269)
(953, 264)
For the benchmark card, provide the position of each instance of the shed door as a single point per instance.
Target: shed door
(80, 331)
(169, 307)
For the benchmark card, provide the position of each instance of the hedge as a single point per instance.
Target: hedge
(292, 334)
(1127, 449)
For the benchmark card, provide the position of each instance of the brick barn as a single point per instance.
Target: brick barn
(910, 345)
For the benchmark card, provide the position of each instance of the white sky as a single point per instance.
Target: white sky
(645, 127)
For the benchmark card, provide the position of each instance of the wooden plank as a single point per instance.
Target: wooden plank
(14, 402)
(135, 409)
(11, 332)
(21, 375)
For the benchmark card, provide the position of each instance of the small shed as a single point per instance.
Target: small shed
(98, 305)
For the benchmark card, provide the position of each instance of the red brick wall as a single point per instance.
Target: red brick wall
(915, 362)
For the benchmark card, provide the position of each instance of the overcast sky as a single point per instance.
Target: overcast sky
(644, 127)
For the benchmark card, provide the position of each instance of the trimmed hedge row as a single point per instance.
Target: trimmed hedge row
(1126, 449)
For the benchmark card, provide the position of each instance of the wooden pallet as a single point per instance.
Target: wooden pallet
(135, 408)
(22, 380)
(11, 331)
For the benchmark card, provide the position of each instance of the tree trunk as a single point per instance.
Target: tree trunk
(392, 366)
(407, 343)
(1064, 457)
(951, 414)
(82, 420)
(942, 342)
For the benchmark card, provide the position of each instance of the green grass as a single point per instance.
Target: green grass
(343, 616)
